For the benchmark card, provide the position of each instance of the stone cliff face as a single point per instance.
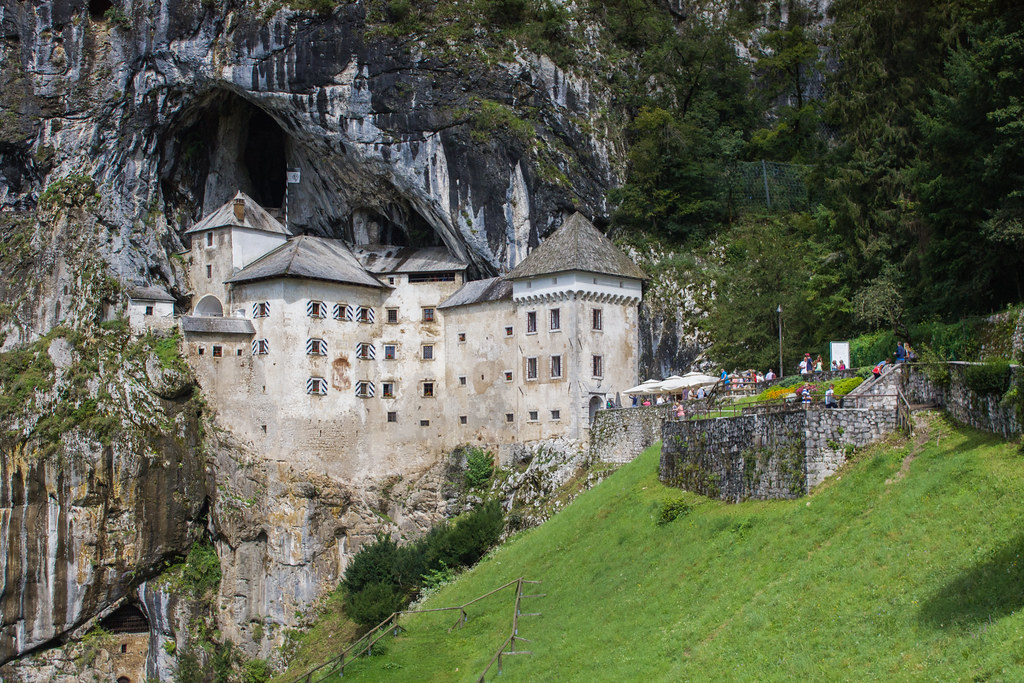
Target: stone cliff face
(118, 129)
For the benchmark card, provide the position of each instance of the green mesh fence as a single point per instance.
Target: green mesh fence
(767, 186)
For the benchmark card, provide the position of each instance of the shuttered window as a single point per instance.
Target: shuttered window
(316, 347)
(316, 309)
(364, 389)
(343, 312)
(365, 351)
(260, 347)
(316, 386)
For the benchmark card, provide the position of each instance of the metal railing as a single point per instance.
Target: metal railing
(390, 626)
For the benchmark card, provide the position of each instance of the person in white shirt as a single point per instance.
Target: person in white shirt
(770, 376)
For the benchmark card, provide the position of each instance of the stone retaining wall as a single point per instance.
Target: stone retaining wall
(766, 456)
(964, 405)
(621, 434)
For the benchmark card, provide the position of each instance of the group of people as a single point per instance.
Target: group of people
(660, 399)
(808, 366)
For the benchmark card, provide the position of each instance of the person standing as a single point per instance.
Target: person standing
(830, 396)
(819, 364)
(901, 352)
(769, 376)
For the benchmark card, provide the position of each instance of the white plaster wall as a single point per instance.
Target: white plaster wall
(219, 258)
(576, 281)
(161, 319)
(547, 393)
(248, 245)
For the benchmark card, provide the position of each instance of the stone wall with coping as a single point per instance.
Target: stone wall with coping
(621, 434)
(768, 455)
(981, 411)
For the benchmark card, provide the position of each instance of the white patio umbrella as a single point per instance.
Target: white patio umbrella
(690, 380)
(651, 386)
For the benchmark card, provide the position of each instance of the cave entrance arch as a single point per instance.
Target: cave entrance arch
(209, 307)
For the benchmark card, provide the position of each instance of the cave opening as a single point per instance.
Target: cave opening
(98, 8)
(265, 160)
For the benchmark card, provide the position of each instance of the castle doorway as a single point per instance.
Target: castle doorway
(595, 405)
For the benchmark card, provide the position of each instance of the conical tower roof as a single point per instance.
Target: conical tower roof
(577, 245)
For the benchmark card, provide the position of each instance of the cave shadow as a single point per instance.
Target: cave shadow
(988, 590)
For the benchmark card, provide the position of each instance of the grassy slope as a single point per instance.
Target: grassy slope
(875, 576)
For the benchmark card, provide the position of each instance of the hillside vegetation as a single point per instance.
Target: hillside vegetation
(906, 566)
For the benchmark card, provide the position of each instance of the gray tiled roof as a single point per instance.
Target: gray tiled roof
(577, 245)
(316, 258)
(479, 291)
(194, 324)
(255, 218)
(149, 293)
(383, 258)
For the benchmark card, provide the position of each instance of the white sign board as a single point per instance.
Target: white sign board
(840, 351)
(293, 175)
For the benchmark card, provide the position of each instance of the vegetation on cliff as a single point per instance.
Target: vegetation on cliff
(890, 570)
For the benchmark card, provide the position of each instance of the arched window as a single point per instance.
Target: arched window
(209, 306)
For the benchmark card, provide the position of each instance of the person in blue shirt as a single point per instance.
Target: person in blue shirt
(901, 353)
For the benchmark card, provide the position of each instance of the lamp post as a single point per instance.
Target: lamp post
(779, 311)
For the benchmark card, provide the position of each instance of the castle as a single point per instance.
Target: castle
(368, 359)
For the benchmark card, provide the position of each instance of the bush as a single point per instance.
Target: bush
(479, 467)
(374, 603)
(671, 509)
(257, 671)
(988, 378)
(841, 387)
(201, 572)
(868, 349)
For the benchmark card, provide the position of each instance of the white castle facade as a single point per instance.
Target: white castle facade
(363, 360)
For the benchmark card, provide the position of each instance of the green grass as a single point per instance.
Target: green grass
(877, 576)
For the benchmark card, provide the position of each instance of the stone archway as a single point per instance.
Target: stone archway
(210, 306)
(596, 402)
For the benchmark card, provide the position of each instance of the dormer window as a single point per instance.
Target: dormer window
(365, 351)
(261, 309)
(364, 314)
(316, 347)
(316, 309)
(316, 386)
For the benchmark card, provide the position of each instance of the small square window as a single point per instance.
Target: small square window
(463, 419)
(462, 336)
(424, 423)
(387, 390)
(428, 315)
(508, 331)
(531, 368)
(555, 318)
(509, 417)
(508, 375)
(534, 416)
(556, 415)
(596, 321)
(238, 352)
(391, 279)
(390, 351)
(392, 416)
(427, 352)
(392, 314)
(218, 351)
(428, 390)
(531, 322)
(201, 350)
(209, 271)
(149, 310)
(462, 380)
(124, 648)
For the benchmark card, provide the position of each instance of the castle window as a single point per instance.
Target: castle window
(556, 367)
(462, 380)
(510, 417)
(428, 315)
(392, 416)
(316, 309)
(596, 321)
(343, 312)
(534, 416)
(597, 364)
(463, 419)
(365, 314)
(431, 277)
(462, 336)
(364, 389)
(531, 322)
(508, 375)
(556, 415)
(391, 279)
(428, 390)
(392, 315)
(556, 319)
(424, 423)
(316, 386)
(260, 347)
(390, 351)
(508, 331)
(365, 351)
(261, 309)
(149, 310)
(209, 272)
(316, 347)
(531, 368)
(427, 352)
(387, 390)
(209, 239)
(238, 352)
(218, 351)
(201, 350)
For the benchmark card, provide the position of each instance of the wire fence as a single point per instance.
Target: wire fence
(767, 186)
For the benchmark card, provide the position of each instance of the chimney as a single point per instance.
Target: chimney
(240, 210)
